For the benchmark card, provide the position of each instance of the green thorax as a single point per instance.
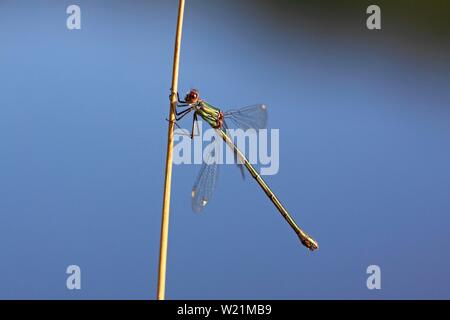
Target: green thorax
(210, 114)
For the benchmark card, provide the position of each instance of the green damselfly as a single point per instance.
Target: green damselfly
(252, 117)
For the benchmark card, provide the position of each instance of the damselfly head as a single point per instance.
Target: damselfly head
(192, 96)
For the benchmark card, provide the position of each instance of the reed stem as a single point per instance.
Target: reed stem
(168, 175)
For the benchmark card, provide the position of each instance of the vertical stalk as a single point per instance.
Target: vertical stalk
(168, 175)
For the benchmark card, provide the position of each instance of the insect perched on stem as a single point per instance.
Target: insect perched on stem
(254, 117)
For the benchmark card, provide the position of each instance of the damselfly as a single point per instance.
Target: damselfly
(252, 117)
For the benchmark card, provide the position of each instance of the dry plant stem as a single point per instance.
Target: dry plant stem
(168, 175)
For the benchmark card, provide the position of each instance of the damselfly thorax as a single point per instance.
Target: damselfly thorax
(210, 114)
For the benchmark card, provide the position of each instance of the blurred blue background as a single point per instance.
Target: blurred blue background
(364, 156)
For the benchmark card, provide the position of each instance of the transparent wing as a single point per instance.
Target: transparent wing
(251, 117)
(206, 181)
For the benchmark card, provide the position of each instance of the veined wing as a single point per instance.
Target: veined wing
(205, 183)
(251, 117)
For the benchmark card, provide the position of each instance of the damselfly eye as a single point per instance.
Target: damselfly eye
(192, 96)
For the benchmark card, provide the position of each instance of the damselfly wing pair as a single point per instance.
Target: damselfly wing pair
(251, 117)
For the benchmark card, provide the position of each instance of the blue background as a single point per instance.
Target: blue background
(364, 149)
